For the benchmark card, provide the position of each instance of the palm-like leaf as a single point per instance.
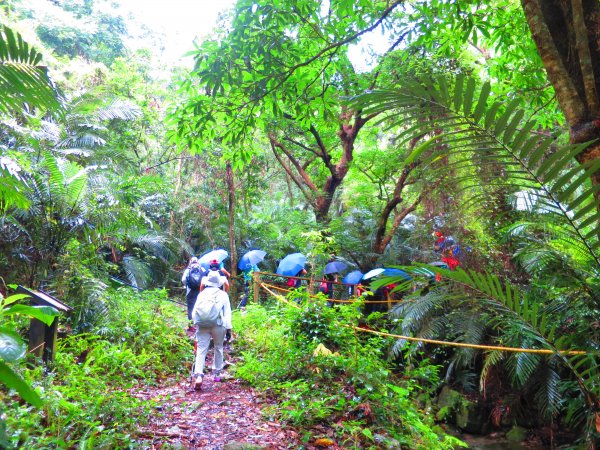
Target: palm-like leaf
(12, 187)
(494, 134)
(22, 79)
(138, 272)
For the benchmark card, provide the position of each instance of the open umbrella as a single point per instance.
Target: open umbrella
(392, 272)
(373, 273)
(334, 267)
(251, 258)
(424, 271)
(291, 264)
(440, 264)
(218, 254)
(353, 277)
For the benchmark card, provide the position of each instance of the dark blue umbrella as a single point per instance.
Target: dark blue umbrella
(353, 277)
(251, 258)
(334, 267)
(291, 264)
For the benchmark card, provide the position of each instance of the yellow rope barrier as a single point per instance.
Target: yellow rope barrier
(331, 299)
(437, 342)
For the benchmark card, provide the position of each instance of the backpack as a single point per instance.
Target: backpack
(324, 287)
(194, 277)
(207, 311)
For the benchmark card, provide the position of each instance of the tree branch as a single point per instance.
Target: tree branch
(300, 171)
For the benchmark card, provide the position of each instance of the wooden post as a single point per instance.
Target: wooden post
(256, 280)
(42, 337)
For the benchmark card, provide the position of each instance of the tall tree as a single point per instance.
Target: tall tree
(276, 71)
(567, 33)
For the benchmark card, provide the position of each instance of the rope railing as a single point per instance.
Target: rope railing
(342, 292)
(432, 341)
(279, 288)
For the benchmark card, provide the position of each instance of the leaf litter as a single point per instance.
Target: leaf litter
(222, 415)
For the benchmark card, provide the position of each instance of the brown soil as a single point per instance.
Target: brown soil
(221, 413)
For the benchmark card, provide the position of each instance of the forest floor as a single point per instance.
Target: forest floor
(222, 415)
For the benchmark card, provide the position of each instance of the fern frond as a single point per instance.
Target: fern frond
(138, 272)
(494, 129)
(521, 366)
(22, 79)
(548, 396)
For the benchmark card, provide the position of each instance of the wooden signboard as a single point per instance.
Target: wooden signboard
(42, 337)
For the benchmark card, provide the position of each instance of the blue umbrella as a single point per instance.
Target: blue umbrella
(440, 264)
(353, 277)
(424, 271)
(334, 267)
(251, 258)
(391, 272)
(219, 255)
(373, 273)
(291, 264)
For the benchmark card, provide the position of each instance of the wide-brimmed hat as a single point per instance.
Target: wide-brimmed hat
(213, 279)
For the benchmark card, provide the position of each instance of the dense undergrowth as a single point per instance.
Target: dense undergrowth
(86, 391)
(323, 373)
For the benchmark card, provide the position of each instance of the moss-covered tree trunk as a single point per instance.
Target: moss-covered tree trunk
(232, 246)
(567, 35)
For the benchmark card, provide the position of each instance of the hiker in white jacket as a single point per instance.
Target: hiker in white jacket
(212, 317)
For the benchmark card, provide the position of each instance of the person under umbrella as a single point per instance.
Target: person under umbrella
(218, 255)
(330, 276)
(353, 280)
(248, 265)
(291, 265)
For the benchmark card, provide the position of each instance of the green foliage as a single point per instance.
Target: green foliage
(90, 31)
(318, 323)
(22, 79)
(557, 243)
(354, 390)
(89, 394)
(486, 40)
(495, 135)
(12, 349)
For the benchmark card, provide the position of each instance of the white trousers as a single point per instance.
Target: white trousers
(203, 336)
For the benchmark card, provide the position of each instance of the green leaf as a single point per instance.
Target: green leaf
(13, 298)
(12, 347)
(14, 381)
(45, 314)
(368, 434)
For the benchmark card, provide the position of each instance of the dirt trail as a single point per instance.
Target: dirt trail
(222, 415)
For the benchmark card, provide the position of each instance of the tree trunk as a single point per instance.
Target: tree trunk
(232, 247)
(567, 35)
(177, 188)
(383, 235)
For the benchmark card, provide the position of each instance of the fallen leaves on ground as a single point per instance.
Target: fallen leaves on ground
(220, 413)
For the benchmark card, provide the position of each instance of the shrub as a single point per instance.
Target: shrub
(353, 390)
(87, 395)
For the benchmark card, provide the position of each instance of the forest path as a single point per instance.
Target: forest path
(222, 415)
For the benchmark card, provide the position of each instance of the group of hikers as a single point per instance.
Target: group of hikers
(209, 313)
(209, 307)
